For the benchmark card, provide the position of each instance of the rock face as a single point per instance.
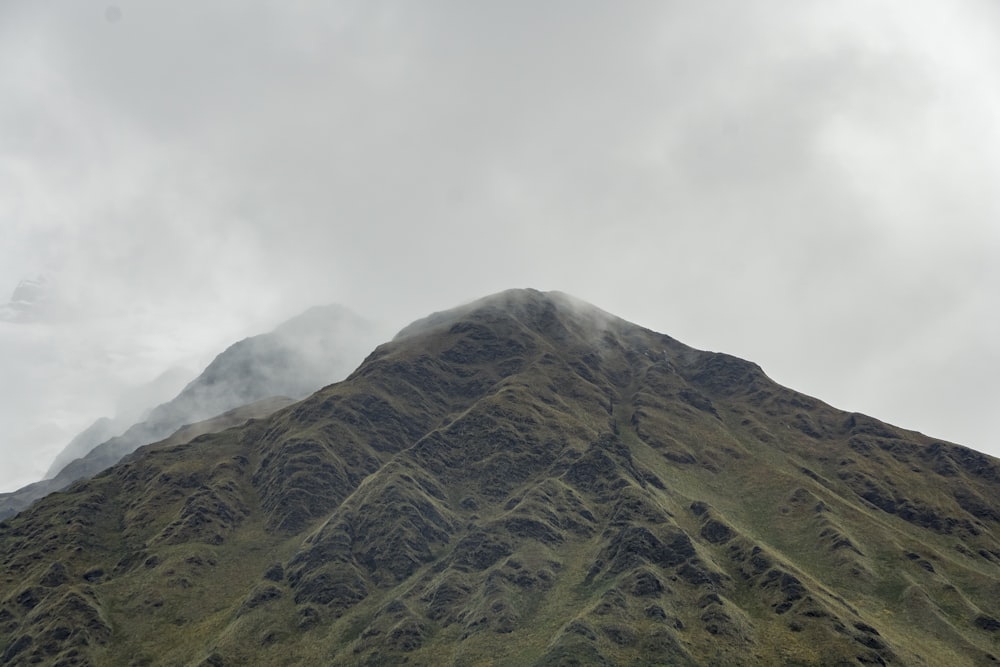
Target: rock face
(314, 349)
(523, 481)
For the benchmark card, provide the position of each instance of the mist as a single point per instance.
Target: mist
(807, 185)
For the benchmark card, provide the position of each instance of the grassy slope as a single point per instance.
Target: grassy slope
(525, 482)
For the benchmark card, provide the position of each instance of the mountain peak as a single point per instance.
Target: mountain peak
(532, 307)
(523, 480)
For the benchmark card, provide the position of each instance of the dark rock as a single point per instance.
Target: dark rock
(214, 660)
(864, 627)
(582, 629)
(725, 375)
(870, 641)
(717, 622)
(698, 508)
(716, 532)
(975, 505)
(809, 473)
(19, 645)
(619, 634)
(695, 574)
(444, 600)
(29, 598)
(635, 544)
(806, 426)
(94, 575)
(612, 602)
(788, 585)
(261, 595)
(334, 588)
(575, 652)
(533, 529)
(309, 617)
(710, 599)
(870, 659)
(646, 584)
(479, 550)
(987, 623)
(656, 611)
(684, 458)
(408, 635)
(56, 576)
(976, 463)
(698, 401)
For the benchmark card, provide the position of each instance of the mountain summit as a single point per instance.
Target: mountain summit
(526, 480)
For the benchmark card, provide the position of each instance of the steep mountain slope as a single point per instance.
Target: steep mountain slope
(523, 481)
(134, 407)
(102, 430)
(313, 349)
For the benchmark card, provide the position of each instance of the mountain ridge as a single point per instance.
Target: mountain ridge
(516, 483)
(315, 348)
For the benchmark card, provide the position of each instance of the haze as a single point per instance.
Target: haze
(809, 185)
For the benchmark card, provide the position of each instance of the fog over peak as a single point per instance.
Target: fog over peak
(806, 185)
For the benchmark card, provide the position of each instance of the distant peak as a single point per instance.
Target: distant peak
(318, 318)
(28, 301)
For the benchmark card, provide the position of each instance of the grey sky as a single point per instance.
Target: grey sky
(810, 185)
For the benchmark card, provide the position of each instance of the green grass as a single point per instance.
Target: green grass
(497, 410)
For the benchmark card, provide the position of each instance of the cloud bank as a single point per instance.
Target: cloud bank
(808, 185)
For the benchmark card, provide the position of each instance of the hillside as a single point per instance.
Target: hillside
(320, 346)
(525, 480)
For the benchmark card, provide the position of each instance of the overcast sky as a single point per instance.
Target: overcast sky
(814, 186)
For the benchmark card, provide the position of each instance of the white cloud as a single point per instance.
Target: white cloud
(809, 185)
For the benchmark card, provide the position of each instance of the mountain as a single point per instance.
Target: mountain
(134, 406)
(320, 346)
(525, 480)
(103, 429)
(27, 303)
